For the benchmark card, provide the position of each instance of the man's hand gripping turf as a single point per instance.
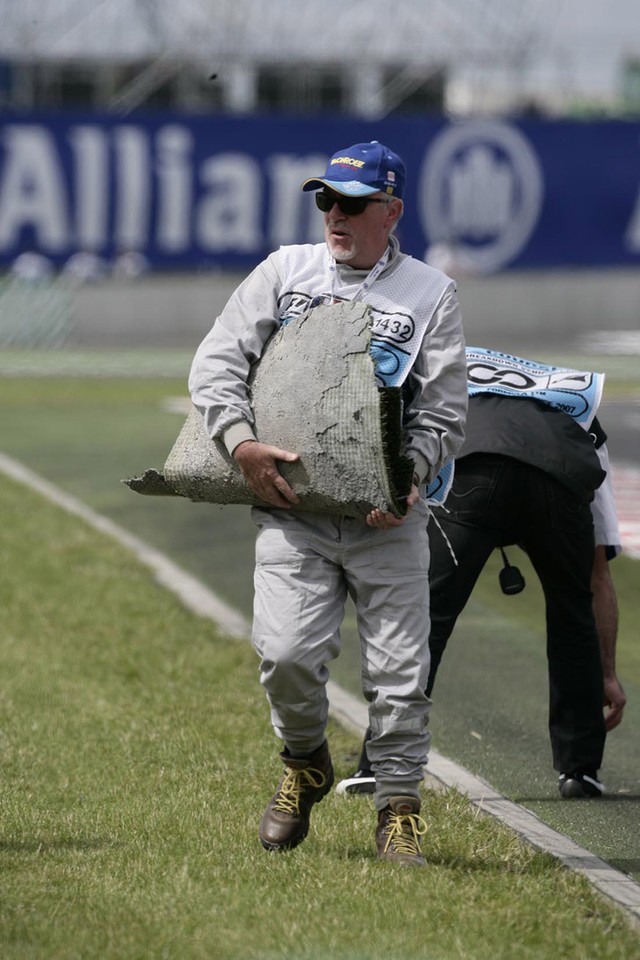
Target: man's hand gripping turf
(258, 462)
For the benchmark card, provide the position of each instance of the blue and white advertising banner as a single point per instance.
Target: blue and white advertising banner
(575, 392)
(204, 192)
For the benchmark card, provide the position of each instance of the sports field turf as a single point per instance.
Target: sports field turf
(137, 757)
(86, 435)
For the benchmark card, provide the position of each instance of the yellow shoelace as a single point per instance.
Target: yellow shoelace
(404, 831)
(288, 799)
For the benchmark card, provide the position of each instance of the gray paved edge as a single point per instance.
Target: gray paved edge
(614, 884)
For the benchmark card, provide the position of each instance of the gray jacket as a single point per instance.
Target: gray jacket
(408, 296)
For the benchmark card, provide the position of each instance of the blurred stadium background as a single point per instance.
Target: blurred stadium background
(150, 155)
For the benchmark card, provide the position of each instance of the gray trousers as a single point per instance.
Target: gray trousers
(306, 564)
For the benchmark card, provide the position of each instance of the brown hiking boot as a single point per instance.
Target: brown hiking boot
(285, 822)
(399, 831)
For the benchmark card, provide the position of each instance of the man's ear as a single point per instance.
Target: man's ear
(397, 209)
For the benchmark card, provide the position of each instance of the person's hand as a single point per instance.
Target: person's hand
(259, 468)
(385, 521)
(615, 699)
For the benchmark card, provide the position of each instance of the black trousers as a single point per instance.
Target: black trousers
(496, 501)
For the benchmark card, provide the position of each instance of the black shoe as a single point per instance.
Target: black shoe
(363, 781)
(574, 786)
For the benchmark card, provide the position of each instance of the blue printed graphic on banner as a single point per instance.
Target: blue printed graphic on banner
(437, 490)
(575, 392)
(391, 363)
(391, 369)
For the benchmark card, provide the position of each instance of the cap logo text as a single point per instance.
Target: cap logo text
(348, 160)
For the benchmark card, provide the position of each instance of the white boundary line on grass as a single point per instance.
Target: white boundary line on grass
(346, 708)
(614, 884)
(193, 593)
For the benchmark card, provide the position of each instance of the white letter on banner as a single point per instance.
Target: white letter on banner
(90, 149)
(175, 195)
(227, 217)
(482, 189)
(32, 191)
(132, 186)
(288, 204)
(632, 233)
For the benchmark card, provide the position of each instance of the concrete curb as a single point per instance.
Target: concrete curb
(614, 884)
(346, 708)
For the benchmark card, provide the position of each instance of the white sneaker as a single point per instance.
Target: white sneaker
(361, 782)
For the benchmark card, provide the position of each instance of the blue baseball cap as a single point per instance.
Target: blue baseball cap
(361, 170)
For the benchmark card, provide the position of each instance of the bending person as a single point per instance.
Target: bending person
(526, 475)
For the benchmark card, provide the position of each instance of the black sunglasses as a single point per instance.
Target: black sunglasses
(351, 206)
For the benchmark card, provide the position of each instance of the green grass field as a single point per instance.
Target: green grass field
(137, 757)
(129, 726)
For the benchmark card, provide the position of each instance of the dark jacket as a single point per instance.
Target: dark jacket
(533, 432)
